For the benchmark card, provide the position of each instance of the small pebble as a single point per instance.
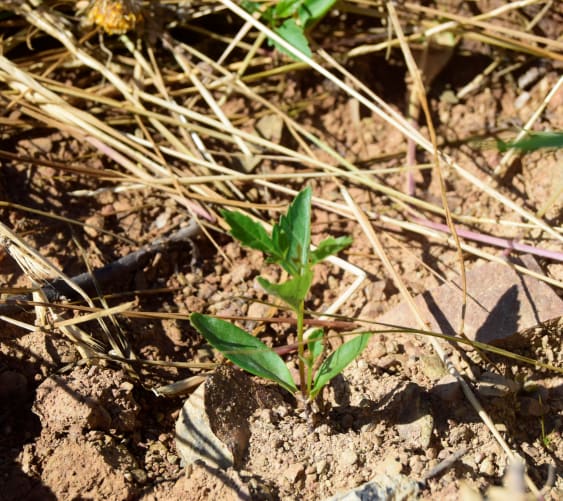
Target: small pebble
(348, 458)
(139, 475)
(281, 411)
(265, 415)
(362, 365)
(377, 350)
(294, 472)
(321, 466)
(416, 465)
(529, 450)
(487, 467)
(126, 386)
(389, 466)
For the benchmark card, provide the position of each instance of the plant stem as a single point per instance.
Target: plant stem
(301, 350)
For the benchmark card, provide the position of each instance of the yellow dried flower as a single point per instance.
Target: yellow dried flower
(115, 17)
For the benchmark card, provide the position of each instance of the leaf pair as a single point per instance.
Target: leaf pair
(253, 356)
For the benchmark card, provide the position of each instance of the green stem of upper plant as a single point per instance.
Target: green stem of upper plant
(301, 348)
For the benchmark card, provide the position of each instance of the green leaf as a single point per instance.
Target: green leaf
(293, 292)
(244, 350)
(329, 247)
(292, 235)
(286, 8)
(292, 33)
(315, 343)
(337, 361)
(250, 233)
(533, 141)
(313, 10)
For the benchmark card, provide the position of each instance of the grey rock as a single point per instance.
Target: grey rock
(382, 488)
(195, 439)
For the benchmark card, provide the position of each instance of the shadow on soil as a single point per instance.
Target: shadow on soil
(18, 426)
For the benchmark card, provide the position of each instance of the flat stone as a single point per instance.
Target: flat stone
(213, 423)
(381, 487)
(195, 439)
(501, 304)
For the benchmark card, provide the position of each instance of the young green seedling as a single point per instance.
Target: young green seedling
(291, 18)
(289, 246)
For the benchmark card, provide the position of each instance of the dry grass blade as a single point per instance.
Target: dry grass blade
(397, 121)
(39, 270)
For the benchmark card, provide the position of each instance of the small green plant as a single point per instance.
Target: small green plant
(291, 18)
(545, 438)
(288, 246)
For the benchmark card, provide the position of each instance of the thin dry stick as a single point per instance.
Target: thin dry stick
(440, 28)
(378, 247)
(477, 21)
(49, 24)
(190, 137)
(419, 86)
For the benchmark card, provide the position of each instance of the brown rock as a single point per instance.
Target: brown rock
(500, 304)
(294, 473)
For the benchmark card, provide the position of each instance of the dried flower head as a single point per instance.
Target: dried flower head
(115, 17)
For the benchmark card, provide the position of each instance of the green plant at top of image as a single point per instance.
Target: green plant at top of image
(288, 246)
(290, 19)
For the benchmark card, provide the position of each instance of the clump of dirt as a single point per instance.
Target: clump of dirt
(88, 398)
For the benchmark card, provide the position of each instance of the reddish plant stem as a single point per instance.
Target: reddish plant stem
(503, 243)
